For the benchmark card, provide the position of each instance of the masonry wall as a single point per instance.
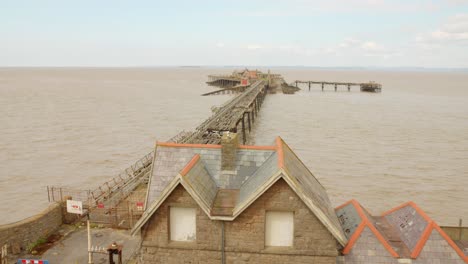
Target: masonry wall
(244, 237)
(21, 234)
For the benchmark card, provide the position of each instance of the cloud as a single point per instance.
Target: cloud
(371, 46)
(254, 47)
(457, 2)
(454, 29)
(352, 47)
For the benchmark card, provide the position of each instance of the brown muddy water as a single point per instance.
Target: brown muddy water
(80, 127)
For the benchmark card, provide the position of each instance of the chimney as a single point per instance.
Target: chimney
(229, 145)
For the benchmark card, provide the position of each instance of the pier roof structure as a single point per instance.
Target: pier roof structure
(223, 194)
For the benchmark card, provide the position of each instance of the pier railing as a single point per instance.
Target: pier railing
(120, 201)
(111, 192)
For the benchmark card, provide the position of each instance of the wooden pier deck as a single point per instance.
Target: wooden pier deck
(364, 87)
(237, 114)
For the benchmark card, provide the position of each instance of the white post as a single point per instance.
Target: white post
(90, 254)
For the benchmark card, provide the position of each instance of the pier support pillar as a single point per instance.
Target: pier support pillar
(309, 86)
(336, 88)
(322, 87)
(248, 120)
(349, 88)
(243, 131)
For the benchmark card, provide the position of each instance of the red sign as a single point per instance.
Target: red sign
(140, 205)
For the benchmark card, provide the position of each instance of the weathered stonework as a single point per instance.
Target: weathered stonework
(18, 236)
(244, 237)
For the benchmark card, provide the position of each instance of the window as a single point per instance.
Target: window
(182, 224)
(279, 228)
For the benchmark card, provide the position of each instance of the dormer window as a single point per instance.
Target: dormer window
(182, 224)
(279, 229)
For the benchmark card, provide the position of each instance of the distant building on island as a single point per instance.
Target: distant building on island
(231, 203)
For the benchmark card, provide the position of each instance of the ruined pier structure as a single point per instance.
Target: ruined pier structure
(372, 87)
(237, 115)
(113, 203)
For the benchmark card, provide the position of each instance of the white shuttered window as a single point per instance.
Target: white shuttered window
(279, 229)
(182, 224)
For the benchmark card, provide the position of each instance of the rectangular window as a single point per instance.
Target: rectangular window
(279, 229)
(182, 223)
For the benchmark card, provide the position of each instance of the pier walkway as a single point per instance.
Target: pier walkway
(237, 114)
(106, 203)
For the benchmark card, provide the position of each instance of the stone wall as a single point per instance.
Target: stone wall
(22, 234)
(244, 237)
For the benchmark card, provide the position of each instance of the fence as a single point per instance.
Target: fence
(61, 194)
(117, 203)
(110, 192)
(113, 191)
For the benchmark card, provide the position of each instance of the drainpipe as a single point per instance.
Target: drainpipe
(223, 255)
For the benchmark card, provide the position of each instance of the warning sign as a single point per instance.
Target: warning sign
(139, 206)
(74, 207)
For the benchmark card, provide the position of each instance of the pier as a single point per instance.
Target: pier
(109, 204)
(114, 203)
(237, 115)
(372, 87)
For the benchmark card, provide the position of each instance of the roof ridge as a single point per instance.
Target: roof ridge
(190, 164)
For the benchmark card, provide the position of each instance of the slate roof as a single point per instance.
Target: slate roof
(198, 169)
(405, 232)
(409, 219)
(170, 158)
(355, 220)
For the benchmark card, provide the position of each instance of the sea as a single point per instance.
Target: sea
(79, 127)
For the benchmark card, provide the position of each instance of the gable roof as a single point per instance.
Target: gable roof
(412, 226)
(170, 158)
(259, 168)
(354, 218)
(407, 216)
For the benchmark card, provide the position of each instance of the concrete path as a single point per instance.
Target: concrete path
(73, 249)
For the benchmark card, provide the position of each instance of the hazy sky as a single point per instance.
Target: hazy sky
(241, 32)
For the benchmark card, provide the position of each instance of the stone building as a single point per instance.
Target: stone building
(230, 203)
(236, 204)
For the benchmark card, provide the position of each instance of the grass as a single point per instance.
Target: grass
(38, 242)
